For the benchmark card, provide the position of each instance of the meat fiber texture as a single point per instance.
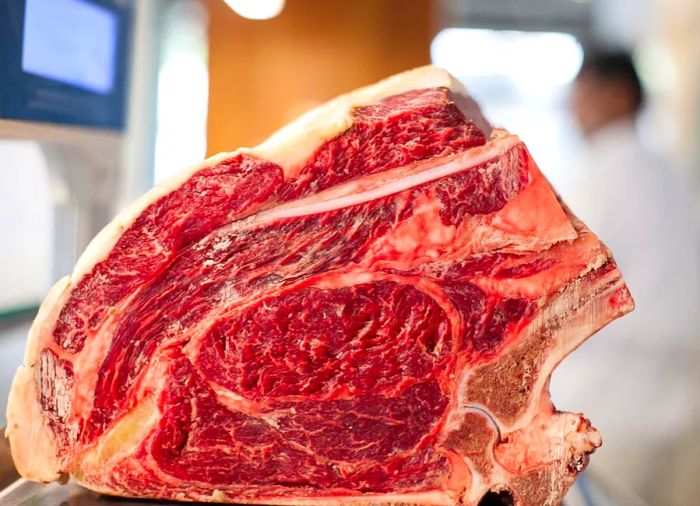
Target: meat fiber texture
(364, 310)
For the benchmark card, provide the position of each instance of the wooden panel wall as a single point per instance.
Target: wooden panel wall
(265, 73)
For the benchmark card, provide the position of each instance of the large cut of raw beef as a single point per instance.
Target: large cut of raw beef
(363, 310)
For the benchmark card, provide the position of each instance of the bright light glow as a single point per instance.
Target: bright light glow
(183, 90)
(531, 59)
(256, 9)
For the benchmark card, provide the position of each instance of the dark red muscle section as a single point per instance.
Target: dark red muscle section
(486, 319)
(504, 317)
(330, 343)
(481, 265)
(396, 131)
(368, 444)
(209, 199)
(483, 190)
(471, 304)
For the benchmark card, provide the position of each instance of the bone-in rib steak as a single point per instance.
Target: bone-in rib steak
(365, 309)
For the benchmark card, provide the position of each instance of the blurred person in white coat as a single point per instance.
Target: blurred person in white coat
(637, 378)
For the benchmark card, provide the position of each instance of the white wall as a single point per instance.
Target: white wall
(25, 225)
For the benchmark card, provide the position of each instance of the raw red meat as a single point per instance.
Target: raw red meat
(365, 309)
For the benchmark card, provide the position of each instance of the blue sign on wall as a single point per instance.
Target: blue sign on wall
(65, 61)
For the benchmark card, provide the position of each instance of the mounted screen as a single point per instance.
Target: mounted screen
(64, 61)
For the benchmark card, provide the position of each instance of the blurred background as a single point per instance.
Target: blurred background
(100, 99)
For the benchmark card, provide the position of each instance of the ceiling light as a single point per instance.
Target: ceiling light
(256, 9)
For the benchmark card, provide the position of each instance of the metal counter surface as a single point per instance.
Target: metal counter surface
(27, 493)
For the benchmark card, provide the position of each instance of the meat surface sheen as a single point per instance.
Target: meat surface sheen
(364, 309)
